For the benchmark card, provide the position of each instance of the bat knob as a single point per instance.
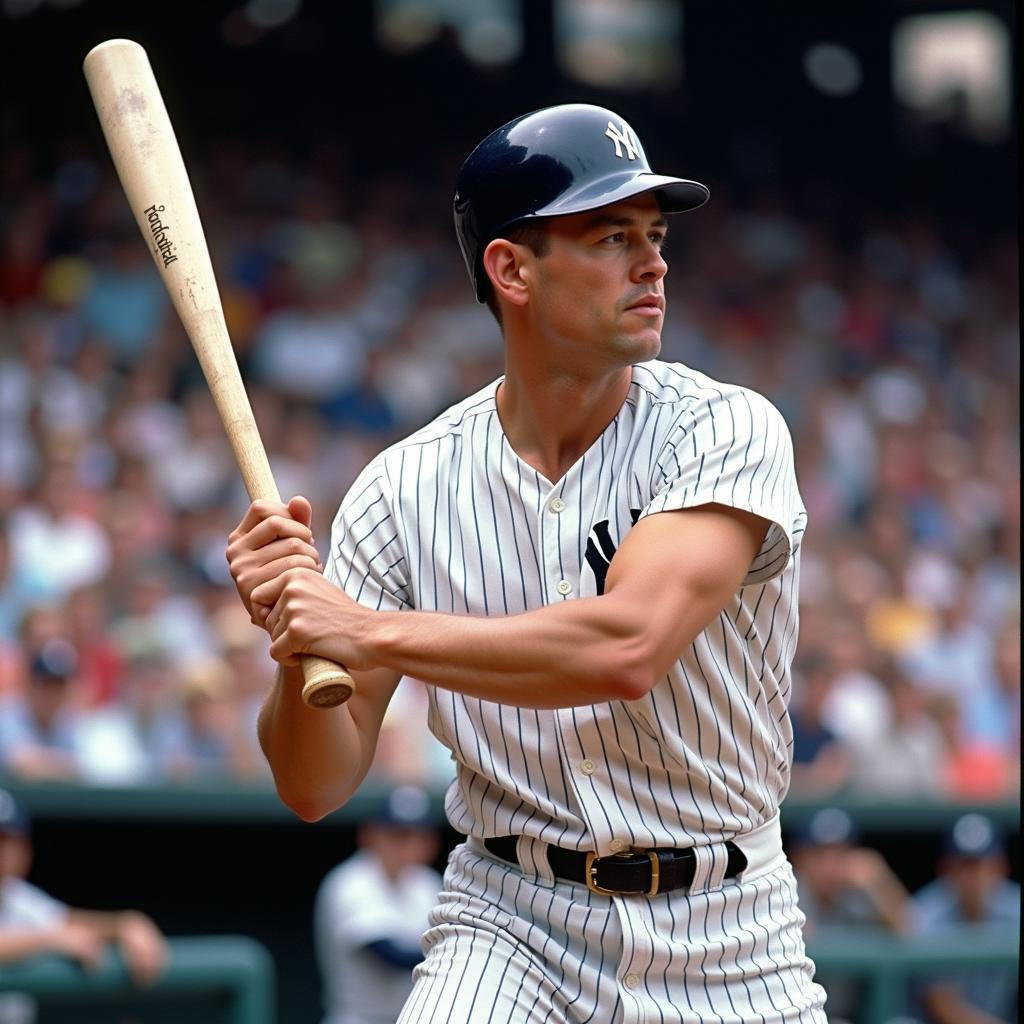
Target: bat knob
(326, 684)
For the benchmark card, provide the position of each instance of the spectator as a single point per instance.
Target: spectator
(892, 349)
(100, 660)
(821, 761)
(21, 586)
(125, 302)
(406, 752)
(40, 730)
(145, 422)
(244, 649)
(33, 923)
(908, 757)
(209, 713)
(197, 471)
(974, 770)
(371, 910)
(137, 517)
(959, 661)
(857, 706)
(52, 539)
(312, 350)
(972, 889)
(139, 738)
(844, 885)
(158, 603)
(1008, 676)
(40, 622)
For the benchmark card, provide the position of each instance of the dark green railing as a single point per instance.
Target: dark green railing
(232, 971)
(888, 964)
(227, 802)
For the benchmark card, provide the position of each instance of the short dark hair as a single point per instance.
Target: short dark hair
(531, 233)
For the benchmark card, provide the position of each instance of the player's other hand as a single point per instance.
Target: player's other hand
(312, 616)
(271, 539)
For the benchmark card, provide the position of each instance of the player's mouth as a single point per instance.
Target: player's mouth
(648, 305)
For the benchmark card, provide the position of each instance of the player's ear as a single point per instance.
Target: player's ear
(503, 264)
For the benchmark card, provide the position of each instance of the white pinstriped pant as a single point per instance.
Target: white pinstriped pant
(510, 947)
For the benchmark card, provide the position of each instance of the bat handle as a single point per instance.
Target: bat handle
(326, 684)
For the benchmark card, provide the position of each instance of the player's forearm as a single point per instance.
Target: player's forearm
(318, 756)
(581, 652)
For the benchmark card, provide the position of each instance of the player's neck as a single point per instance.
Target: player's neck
(550, 420)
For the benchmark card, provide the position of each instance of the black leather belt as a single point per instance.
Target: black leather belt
(648, 872)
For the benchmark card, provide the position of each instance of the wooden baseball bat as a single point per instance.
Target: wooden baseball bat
(152, 172)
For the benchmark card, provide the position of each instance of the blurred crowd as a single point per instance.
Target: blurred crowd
(854, 901)
(892, 351)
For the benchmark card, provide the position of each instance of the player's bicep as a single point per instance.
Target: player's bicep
(682, 568)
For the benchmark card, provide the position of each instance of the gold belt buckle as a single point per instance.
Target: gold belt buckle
(590, 876)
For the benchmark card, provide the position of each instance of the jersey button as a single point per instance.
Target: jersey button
(617, 846)
(557, 505)
(563, 587)
(587, 767)
(631, 980)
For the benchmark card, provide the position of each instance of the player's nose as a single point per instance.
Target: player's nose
(650, 265)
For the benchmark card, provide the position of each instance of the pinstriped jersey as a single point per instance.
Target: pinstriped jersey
(452, 520)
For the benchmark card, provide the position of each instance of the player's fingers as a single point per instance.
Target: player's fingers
(278, 568)
(273, 621)
(283, 547)
(268, 592)
(249, 568)
(300, 509)
(281, 652)
(252, 579)
(259, 511)
(280, 612)
(273, 528)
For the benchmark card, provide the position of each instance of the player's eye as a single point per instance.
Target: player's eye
(614, 239)
(658, 238)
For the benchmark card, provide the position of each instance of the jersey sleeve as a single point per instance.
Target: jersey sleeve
(735, 449)
(367, 559)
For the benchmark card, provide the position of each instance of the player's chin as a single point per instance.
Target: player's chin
(643, 345)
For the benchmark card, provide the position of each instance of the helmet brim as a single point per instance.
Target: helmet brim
(675, 195)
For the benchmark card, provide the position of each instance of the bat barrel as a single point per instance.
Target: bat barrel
(148, 160)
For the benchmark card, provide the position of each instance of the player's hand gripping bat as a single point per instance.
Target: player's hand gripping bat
(152, 172)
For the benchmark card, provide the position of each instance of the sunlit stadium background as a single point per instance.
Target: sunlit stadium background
(857, 263)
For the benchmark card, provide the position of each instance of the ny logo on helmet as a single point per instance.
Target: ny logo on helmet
(623, 137)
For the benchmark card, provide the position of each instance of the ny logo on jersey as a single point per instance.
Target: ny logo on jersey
(601, 549)
(623, 137)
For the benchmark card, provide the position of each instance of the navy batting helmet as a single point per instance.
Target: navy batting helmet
(558, 160)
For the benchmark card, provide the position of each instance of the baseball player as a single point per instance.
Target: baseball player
(593, 563)
(371, 909)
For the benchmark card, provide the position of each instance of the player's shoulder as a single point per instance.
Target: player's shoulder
(661, 383)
